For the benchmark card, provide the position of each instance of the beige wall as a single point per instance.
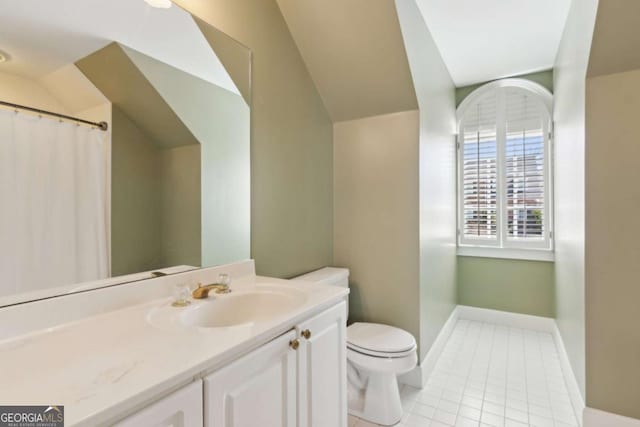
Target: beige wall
(437, 181)
(616, 38)
(21, 90)
(569, 181)
(376, 216)
(74, 91)
(291, 141)
(513, 285)
(612, 243)
(354, 52)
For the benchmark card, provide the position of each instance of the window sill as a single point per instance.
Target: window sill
(507, 253)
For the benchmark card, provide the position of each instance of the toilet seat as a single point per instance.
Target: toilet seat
(383, 365)
(382, 354)
(376, 340)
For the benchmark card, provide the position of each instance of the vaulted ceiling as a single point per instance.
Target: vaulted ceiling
(356, 56)
(354, 52)
(482, 40)
(615, 38)
(40, 36)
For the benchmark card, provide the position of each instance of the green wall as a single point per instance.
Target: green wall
(135, 198)
(518, 286)
(180, 205)
(545, 78)
(506, 284)
(436, 181)
(155, 201)
(220, 121)
(291, 141)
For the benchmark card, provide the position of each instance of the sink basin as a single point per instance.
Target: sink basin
(241, 308)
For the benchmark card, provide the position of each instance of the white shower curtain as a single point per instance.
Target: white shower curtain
(53, 203)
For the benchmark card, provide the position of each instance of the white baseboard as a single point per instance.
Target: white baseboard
(590, 417)
(514, 320)
(418, 376)
(536, 323)
(596, 418)
(577, 401)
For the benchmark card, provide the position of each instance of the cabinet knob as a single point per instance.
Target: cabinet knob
(306, 334)
(294, 344)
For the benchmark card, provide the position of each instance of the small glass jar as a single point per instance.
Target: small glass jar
(181, 295)
(224, 279)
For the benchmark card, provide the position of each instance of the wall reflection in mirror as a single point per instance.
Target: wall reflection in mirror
(163, 190)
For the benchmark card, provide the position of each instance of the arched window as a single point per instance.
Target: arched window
(504, 167)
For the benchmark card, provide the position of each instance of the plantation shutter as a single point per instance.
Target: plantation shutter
(504, 193)
(524, 167)
(479, 171)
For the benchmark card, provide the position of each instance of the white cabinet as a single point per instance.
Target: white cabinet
(180, 409)
(298, 379)
(295, 380)
(257, 390)
(322, 375)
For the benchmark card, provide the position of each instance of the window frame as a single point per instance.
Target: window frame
(502, 247)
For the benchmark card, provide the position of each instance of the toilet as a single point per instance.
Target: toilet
(376, 355)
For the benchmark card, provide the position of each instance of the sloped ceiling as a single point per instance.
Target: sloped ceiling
(616, 39)
(116, 75)
(41, 36)
(235, 58)
(355, 54)
(483, 40)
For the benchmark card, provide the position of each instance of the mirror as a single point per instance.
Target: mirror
(162, 186)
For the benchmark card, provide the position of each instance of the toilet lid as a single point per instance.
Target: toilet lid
(379, 338)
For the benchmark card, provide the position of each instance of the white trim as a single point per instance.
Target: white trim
(597, 418)
(506, 253)
(501, 239)
(592, 418)
(577, 401)
(418, 376)
(505, 318)
(536, 323)
(536, 88)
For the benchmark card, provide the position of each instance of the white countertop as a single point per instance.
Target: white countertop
(105, 365)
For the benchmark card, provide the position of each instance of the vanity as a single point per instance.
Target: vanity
(270, 353)
(125, 161)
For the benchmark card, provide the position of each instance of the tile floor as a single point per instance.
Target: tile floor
(490, 375)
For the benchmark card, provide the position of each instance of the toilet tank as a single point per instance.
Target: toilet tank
(327, 276)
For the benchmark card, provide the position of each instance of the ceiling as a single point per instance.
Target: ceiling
(616, 38)
(482, 40)
(355, 54)
(41, 36)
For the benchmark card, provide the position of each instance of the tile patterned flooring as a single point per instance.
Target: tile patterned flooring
(490, 376)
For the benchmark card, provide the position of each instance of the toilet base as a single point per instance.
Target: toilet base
(379, 403)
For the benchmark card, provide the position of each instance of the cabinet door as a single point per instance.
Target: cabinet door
(257, 390)
(322, 370)
(180, 409)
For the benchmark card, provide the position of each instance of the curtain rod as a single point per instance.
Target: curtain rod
(99, 125)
